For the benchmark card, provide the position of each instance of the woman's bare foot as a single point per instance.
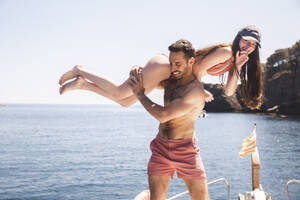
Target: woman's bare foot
(70, 74)
(78, 83)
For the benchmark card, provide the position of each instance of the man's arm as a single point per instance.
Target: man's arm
(175, 109)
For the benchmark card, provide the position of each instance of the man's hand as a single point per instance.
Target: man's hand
(241, 58)
(136, 81)
(134, 69)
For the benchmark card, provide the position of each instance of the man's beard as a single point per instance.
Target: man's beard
(173, 78)
(178, 75)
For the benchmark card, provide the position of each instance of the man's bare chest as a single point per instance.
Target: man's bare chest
(172, 93)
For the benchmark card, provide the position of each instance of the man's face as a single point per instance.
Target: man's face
(179, 65)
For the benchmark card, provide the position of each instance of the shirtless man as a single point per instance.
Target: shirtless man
(175, 147)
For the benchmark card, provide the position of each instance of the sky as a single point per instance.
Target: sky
(42, 39)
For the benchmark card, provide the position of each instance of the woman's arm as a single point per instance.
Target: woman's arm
(233, 76)
(231, 83)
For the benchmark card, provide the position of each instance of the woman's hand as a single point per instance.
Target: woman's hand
(208, 97)
(241, 57)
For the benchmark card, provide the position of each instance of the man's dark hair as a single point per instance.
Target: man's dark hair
(185, 46)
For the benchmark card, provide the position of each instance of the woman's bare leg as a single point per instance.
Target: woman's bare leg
(156, 70)
(102, 82)
(81, 84)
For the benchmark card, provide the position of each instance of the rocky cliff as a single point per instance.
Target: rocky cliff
(221, 102)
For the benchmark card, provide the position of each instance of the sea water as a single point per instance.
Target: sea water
(100, 152)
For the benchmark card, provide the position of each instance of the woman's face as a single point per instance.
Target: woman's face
(247, 45)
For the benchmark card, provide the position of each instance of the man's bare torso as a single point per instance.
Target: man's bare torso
(183, 126)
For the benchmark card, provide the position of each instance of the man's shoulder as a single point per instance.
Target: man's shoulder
(195, 86)
(194, 90)
(164, 83)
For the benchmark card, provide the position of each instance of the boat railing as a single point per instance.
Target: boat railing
(210, 183)
(287, 188)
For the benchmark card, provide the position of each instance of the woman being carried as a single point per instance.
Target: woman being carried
(240, 59)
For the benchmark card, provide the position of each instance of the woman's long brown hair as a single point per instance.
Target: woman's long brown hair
(250, 75)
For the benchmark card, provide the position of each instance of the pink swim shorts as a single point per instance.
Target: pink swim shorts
(181, 156)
